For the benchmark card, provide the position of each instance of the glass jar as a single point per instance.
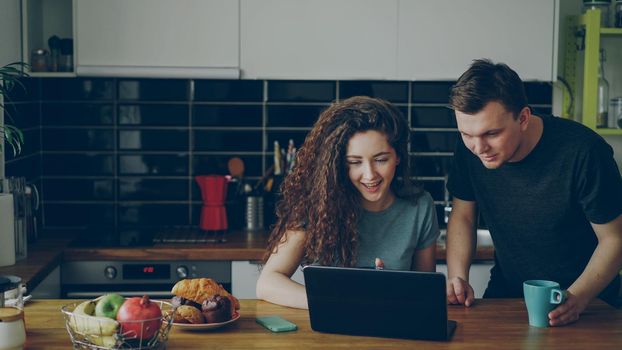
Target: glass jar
(602, 108)
(618, 14)
(615, 112)
(603, 6)
(14, 292)
(12, 329)
(39, 60)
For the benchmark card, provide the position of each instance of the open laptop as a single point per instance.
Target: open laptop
(381, 303)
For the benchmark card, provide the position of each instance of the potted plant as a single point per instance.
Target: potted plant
(9, 77)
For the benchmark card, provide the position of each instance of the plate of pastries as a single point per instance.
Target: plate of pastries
(203, 304)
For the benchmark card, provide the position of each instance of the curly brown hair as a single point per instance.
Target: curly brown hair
(318, 196)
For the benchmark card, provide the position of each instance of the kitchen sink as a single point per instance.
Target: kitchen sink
(483, 238)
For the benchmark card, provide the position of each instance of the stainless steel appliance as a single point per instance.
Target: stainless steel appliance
(89, 279)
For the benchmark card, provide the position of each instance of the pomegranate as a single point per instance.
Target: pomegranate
(139, 318)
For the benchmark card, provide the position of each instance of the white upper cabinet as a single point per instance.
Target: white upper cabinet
(158, 38)
(320, 39)
(439, 39)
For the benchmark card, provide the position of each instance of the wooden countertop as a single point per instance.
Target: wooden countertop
(42, 258)
(240, 245)
(489, 324)
(48, 253)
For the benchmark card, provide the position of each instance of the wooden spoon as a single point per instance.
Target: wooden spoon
(236, 167)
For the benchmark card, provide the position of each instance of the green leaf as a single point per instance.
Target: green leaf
(14, 137)
(10, 76)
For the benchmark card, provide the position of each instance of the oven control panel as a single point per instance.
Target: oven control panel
(141, 272)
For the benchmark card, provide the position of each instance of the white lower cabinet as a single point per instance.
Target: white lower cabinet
(244, 275)
(49, 288)
(478, 275)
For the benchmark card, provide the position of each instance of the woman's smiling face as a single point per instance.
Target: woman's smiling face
(371, 167)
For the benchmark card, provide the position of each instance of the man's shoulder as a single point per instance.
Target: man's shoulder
(569, 133)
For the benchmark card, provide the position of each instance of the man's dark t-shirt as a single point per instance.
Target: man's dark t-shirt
(539, 209)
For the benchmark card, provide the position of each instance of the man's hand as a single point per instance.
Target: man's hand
(459, 291)
(569, 311)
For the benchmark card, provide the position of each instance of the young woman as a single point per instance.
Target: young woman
(349, 200)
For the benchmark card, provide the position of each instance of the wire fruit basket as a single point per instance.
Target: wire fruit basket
(89, 332)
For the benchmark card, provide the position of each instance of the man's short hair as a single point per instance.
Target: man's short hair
(486, 82)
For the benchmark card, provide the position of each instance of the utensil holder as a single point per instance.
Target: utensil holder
(254, 213)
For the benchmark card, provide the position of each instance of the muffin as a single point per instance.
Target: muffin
(216, 309)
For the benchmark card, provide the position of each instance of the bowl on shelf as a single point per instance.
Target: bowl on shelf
(90, 332)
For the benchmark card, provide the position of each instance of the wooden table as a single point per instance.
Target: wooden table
(490, 324)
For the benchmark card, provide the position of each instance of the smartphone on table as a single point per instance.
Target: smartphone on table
(276, 323)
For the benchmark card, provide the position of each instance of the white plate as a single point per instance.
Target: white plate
(205, 326)
(13, 302)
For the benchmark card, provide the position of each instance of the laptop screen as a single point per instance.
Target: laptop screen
(385, 303)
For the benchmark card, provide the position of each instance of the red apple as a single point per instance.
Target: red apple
(139, 318)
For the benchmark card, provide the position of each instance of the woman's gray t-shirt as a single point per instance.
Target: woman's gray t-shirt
(395, 233)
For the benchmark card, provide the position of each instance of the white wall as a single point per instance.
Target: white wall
(10, 31)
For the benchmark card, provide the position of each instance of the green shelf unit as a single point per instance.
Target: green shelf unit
(590, 22)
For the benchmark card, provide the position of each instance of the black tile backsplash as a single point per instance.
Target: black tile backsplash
(432, 117)
(227, 140)
(62, 89)
(217, 164)
(77, 164)
(154, 140)
(79, 214)
(154, 90)
(293, 115)
(431, 91)
(301, 91)
(87, 139)
(131, 214)
(394, 91)
(121, 154)
(23, 115)
(77, 114)
(539, 93)
(153, 164)
(228, 115)
(228, 90)
(153, 114)
(59, 189)
(141, 189)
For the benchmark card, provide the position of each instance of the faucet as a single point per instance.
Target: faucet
(447, 208)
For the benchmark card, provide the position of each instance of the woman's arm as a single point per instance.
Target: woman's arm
(425, 259)
(274, 283)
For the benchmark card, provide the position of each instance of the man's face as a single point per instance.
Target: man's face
(493, 134)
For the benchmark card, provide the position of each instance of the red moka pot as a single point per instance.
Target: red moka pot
(214, 194)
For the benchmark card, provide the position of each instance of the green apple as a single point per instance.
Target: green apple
(108, 305)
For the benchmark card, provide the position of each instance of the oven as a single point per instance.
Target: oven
(90, 279)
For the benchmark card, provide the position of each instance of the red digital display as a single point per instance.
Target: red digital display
(146, 272)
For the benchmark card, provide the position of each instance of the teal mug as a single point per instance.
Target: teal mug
(540, 298)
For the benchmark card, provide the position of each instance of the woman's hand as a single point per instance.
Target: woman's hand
(379, 264)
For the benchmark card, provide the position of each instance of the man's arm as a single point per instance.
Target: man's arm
(604, 264)
(461, 243)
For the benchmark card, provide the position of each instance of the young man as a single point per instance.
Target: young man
(548, 188)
